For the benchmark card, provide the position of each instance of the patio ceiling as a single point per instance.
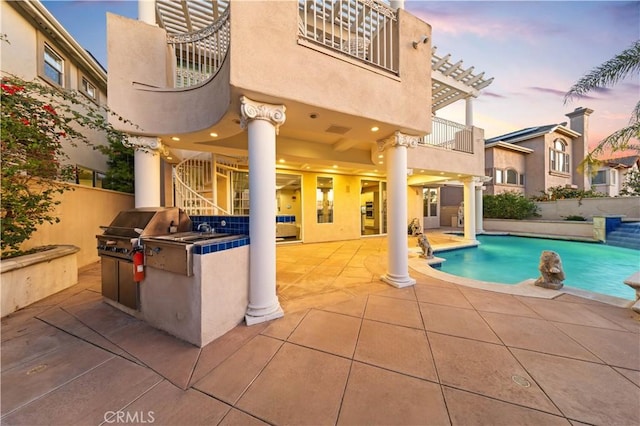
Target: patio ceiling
(451, 82)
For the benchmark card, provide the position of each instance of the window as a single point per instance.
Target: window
(89, 177)
(600, 178)
(522, 179)
(53, 66)
(558, 157)
(512, 177)
(89, 89)
(499, 176)
(324, 200)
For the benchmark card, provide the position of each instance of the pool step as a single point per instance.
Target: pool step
(626, 235)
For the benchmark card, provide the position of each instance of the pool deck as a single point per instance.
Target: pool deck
(349, 350)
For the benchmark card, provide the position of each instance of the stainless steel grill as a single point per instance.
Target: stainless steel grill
(120, 240)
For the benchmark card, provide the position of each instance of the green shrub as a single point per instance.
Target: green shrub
(563, 193)
(508, 205)
(576, 218)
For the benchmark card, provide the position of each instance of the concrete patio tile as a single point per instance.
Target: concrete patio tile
(393, 311)
(584, 391)
(238, 418)
(489, 301)
(233, 376)
(282, 394)
(442, 296)
(357, 272)
(316, 300)
(536, 335)
(64, 321)
(466, 408)
(84, 296)
(39, 375)
(327, 270)
(282, 328)
(353, 307)
(380, 397)
(456, 322)
(571, 313)
(632, 375)
(624, 317)
(426, 281)
(289, 277)
(21, 322)
(220, 349)
(407, 293)
(572, 298)
(169, 356)
(101, 317)
(396, 348)
(89, 398)
(328, 332)
(486, 369)
(616, 348)
(170, 405)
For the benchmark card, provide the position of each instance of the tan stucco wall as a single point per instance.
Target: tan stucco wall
(538, 176)
(541, 227)
(81, 212)
(589, 207)
(500, 158)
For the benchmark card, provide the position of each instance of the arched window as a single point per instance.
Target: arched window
(559, 157)
(512, 177)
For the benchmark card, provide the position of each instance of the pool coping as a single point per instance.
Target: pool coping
(523, 288)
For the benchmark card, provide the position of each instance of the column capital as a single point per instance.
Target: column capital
(148, 144)
(252, 110)
(398, 139)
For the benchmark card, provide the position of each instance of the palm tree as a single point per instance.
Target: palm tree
(609, 73)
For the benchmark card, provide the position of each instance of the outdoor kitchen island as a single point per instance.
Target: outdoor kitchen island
(195, 284)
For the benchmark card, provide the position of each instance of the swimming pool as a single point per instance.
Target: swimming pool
(509, 260)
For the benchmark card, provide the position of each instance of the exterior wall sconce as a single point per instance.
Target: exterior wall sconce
(423, 40)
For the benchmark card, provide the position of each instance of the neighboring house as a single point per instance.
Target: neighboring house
(610, 178)
(533, 159)
(40, 49)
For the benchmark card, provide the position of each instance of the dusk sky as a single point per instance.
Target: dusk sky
(534, 50)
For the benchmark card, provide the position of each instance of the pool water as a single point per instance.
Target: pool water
(509, 260)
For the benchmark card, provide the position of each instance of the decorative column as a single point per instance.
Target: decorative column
(479, 207)
(470, 209)
(397, 242)
(146, 160)
(468, 104)
(147, 11)
(261, 122)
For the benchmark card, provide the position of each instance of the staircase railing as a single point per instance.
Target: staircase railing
(193, 176)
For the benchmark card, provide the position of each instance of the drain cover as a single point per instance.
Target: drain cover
(521, 381)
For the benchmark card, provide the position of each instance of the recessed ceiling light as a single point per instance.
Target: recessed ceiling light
(281, 160)
(175, 138)
(421, 171)
(169, 158)
(213, 134)
(376, 170)
(375, 128)
(308, 167)
(380, 162)
(381, 156)
(335, 166)
(441, 173)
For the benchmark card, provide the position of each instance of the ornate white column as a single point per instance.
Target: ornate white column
(147, 11)
(470, 208)
(468, 104)
(479, 207)
(398, 246)
(146, 161)
(262, 122)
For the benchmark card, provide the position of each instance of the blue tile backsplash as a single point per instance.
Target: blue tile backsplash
(237, 225)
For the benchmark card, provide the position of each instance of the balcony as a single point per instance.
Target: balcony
(449, 135)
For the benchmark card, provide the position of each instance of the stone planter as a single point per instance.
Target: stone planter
(28, 279)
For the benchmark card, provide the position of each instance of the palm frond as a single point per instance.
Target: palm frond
(610, 72)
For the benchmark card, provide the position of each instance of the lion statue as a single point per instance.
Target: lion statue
(423, 243)
(551, 273)
(414, 227)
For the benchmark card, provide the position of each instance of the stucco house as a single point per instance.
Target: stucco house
(38, 48)
(611, 176)
(533, 159)
(315, 114)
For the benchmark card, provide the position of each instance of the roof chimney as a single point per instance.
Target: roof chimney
(579, 122)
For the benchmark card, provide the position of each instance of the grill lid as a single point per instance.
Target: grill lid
(148, 221)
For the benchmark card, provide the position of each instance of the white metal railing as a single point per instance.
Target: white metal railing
(363, 29)
(450, 135)
(193, 179)
(200, 54)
